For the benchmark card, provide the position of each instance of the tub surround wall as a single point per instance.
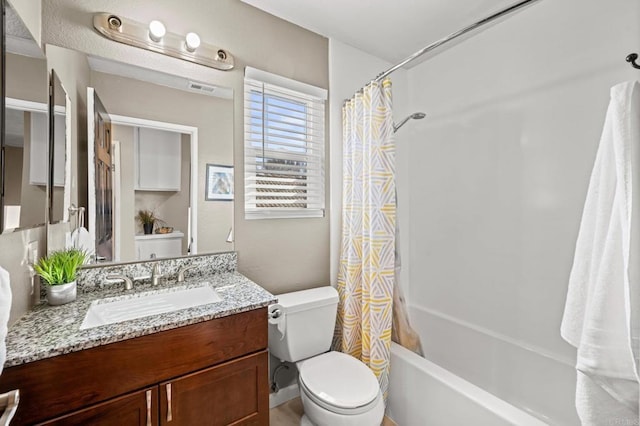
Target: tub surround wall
(498, 174)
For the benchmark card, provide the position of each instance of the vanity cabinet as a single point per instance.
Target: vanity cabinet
(211, 373)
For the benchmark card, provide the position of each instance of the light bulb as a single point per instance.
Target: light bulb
(192, 41)
(156, 30)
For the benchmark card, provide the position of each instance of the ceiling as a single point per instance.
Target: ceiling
(390, 30)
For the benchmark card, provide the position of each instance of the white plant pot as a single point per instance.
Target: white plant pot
(61, 294)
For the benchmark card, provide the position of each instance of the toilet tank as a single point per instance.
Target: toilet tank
(306, 324)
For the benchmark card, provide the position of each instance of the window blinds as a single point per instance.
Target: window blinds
(284, 147)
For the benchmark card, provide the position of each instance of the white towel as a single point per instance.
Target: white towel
(81, 239)
(601, 312)
(5, 309)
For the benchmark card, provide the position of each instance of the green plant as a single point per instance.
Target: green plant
(60, 267)
(146, 217)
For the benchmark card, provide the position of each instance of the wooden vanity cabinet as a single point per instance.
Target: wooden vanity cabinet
(210, 373)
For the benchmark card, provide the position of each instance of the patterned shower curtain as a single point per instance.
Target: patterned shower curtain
(366, 272)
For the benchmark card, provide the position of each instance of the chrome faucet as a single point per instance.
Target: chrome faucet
(155, 274)
(182, 270)
(128, 283)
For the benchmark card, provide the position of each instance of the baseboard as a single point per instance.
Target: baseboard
(283, 395)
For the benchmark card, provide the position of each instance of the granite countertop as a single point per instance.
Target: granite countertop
(48, 331)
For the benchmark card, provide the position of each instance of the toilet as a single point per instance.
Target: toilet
(336, 389)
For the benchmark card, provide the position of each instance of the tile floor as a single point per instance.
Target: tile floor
(289, 414)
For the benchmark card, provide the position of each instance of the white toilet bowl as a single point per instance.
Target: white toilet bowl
(338, 390)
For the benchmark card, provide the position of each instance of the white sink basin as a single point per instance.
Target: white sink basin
(103, 312)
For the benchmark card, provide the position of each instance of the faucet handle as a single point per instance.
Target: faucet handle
(182, 270)
(128, 283)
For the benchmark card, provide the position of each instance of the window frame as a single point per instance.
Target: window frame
(313, 99)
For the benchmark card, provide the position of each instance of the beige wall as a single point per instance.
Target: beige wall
(282, 255)
(27, 78)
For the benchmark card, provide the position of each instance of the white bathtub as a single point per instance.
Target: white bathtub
(423, 393)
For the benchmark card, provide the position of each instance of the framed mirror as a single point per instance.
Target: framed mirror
(26, 141)
(149, 136)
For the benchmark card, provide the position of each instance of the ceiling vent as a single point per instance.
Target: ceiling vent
(202, 88)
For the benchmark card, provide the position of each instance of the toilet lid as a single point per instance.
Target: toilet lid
(339, 380)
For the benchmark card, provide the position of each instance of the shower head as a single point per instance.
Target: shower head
(414, 116)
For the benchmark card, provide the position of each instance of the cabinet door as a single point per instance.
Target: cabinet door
(135, 409)
(235, 392)
(158, 154)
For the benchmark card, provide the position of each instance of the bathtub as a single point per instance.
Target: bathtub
(423, 393)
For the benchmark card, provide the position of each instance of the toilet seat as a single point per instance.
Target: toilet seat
(339, 383)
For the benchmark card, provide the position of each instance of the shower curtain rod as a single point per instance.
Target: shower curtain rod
(455, 35)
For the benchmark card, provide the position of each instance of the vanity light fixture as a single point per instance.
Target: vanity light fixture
(154, 37)
(157, 30)
(192, 42)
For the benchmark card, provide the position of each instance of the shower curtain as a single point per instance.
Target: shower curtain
(366, 271)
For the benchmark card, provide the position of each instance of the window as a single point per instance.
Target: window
(283, 147)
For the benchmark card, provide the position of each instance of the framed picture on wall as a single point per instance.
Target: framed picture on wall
(219, 185)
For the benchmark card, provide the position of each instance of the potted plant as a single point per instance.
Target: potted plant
(58, 270)
(147, 219)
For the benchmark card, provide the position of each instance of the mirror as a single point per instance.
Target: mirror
(26, 129)
(149, 138)
(59, 144)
